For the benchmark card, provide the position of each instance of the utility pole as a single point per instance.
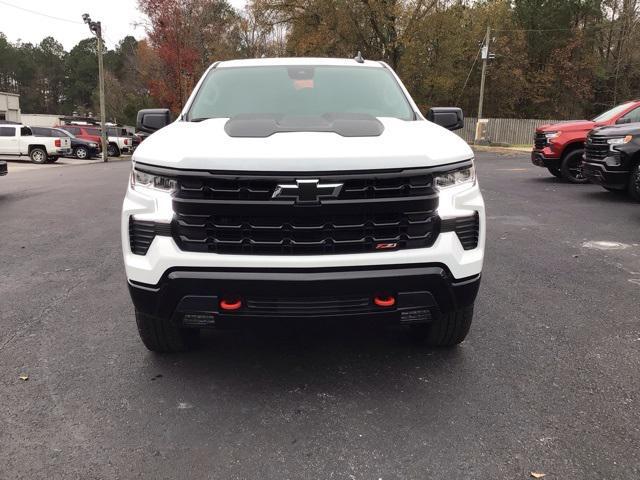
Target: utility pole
(486, 55)
(96, 29)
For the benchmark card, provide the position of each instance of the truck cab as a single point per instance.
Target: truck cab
(559, 147)
(20, 142)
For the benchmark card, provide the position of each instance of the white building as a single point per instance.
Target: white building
(10, 106)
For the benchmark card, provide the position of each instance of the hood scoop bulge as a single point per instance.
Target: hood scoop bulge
(265, 125)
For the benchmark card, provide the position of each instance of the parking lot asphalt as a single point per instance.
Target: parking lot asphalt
(546, 382)
(15, 166)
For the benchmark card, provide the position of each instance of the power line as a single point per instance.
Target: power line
(34, 12)
(469, 75)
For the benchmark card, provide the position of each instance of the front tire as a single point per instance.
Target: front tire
(448, 330)
(634, 183)
(162, 336)
(571, 167)
(82, 153)
(38, 155)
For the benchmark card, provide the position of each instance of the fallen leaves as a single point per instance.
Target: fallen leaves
(24, 377)
(538, 475)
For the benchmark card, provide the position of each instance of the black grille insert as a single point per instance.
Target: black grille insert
(305, 232)
(467, 229)
(228, 187)
(142, 233)
(597, 149)
(540, 140)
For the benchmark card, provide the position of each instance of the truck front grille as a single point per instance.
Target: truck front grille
(372, 211)
(262, 188)
(540, 141)
(597, 149)
(310, 233)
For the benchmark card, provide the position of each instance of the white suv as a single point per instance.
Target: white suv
(302, 188)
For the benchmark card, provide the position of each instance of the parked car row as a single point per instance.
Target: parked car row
(48, 144)
(604, 150)
(20, 141)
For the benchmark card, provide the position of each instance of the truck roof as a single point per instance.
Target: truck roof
(263, 62)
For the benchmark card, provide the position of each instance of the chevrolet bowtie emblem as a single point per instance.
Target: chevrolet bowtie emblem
(308, 191)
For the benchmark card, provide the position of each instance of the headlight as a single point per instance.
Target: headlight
(93, 145)
(620, 141)
(550, 135)
(143, 180)
(455, 177)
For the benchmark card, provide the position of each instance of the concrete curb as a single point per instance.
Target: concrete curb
(482, 148)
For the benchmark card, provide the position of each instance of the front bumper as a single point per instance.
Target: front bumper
(615, 177)
(164, 255)
(540, 158)
(192, 297)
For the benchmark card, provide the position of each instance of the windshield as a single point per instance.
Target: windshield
(93, 131)
(300, 90)
(614, 112)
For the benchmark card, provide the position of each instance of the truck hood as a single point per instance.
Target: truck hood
(568, 126)
(206, 146)
(618, 130)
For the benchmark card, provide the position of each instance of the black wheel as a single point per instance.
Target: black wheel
(162, 336)
(38, 155)
(113, 150)
(613, 190)
(634, 183)
(81, 153)
(555, 172)
(447, 331)
(571, 167)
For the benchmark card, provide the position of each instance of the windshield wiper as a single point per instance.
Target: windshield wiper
(200, 119)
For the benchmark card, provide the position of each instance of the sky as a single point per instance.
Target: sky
(118, 17)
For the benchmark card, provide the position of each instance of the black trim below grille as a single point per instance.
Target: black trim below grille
(142, 233)
(467, 229)
(306, 305)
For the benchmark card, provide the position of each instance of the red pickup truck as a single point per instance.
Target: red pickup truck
(559, 147)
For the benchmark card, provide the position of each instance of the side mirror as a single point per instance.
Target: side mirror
(152, 119)
(450, 118)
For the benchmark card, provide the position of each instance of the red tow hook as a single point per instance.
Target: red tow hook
(384, 301)
(230, 305)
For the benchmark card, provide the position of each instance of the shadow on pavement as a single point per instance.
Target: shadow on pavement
(304, 357)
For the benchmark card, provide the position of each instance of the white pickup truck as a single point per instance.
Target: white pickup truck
(19, 141)
(119, 141)
(328, 196)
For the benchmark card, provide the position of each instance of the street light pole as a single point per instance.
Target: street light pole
(96, 29)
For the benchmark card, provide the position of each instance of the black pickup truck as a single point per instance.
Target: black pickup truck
(612, 158)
